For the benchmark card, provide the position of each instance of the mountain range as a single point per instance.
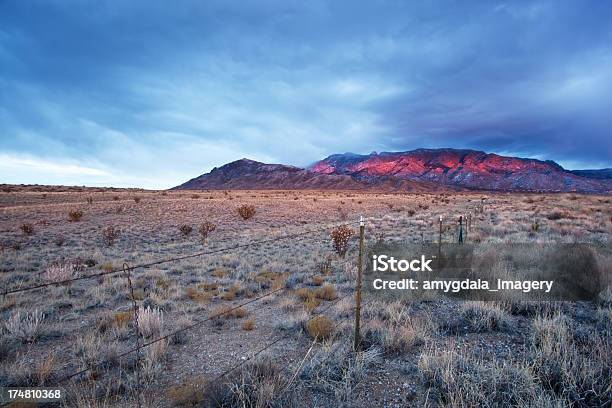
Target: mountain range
(416, 170)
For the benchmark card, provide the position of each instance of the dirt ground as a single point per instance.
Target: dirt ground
(432, 352)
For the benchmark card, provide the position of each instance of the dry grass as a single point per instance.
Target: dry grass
(248, 325)
(320, 328)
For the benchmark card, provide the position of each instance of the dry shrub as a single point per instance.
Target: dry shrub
(122, 319)
(557, 215)
(320, 328)
(340, 239)
(152, 364)
(246, 211)
(75, 215)
(44, 369)
(137, 199)
(257, 384)
(27, 228)
(578, 373)
(304, 293)
(185, 229)
(205, 229)
(107, 267)
(25, 326)
(318, 280)
(483, 317)
(60, 271)
(197, 295)
(327, 292)
(248, 325)
(231, 293)
(188, 395)
(150, 321)
(239, 313)
(228, 312)
(457, 380)
(110, 235)
(220, 273)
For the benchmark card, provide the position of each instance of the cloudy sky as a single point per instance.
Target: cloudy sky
(151, 93)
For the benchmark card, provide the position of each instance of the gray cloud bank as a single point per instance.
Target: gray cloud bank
(151, 93)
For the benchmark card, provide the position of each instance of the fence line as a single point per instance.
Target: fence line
(127, 269)
(179, 258)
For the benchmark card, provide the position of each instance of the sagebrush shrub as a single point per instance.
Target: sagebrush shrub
(205, 229)
(340, 239)
(110, 235)
(246, 211)
(185, 229)
(27, 228)
(75, 215)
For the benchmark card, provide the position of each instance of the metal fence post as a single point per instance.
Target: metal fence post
(126, 269)
(461, 229)
(358, 292)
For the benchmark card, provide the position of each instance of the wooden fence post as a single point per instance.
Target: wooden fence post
(358, 293)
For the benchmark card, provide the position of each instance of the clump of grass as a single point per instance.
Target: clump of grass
(220, 273)
(556, 215)
(75, 215)
(198, 295)
(150, 321)
(26, 327)
(248, 325)
(318, 280)
(458, 380)
(188, 395)
(122, 319)
(60, 271)
(326, 292)
(320, 328)
(246, 211)
(340, 237)
(27, 228)
(185, 229)
(110, 235)
(479, 317)
(107, 267)
(205, 229)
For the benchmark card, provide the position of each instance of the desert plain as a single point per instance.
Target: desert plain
(259, 312)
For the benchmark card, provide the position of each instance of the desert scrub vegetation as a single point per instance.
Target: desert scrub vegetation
(479, 317)
(185, 229)
(26, 327)
(246, 211)
(205, 229)
(27, 228)
(110, 235)
(320, 328)
(150, 321)
(340, 237)
(62, 270)
(75, 215)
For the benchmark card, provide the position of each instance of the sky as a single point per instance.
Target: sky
(153, 93)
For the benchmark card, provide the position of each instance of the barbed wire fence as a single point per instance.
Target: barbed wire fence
(464, 224)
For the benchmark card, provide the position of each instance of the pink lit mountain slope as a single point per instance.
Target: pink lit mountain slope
(465, 168)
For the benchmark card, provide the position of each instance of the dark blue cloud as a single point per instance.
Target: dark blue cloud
(151, 92)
